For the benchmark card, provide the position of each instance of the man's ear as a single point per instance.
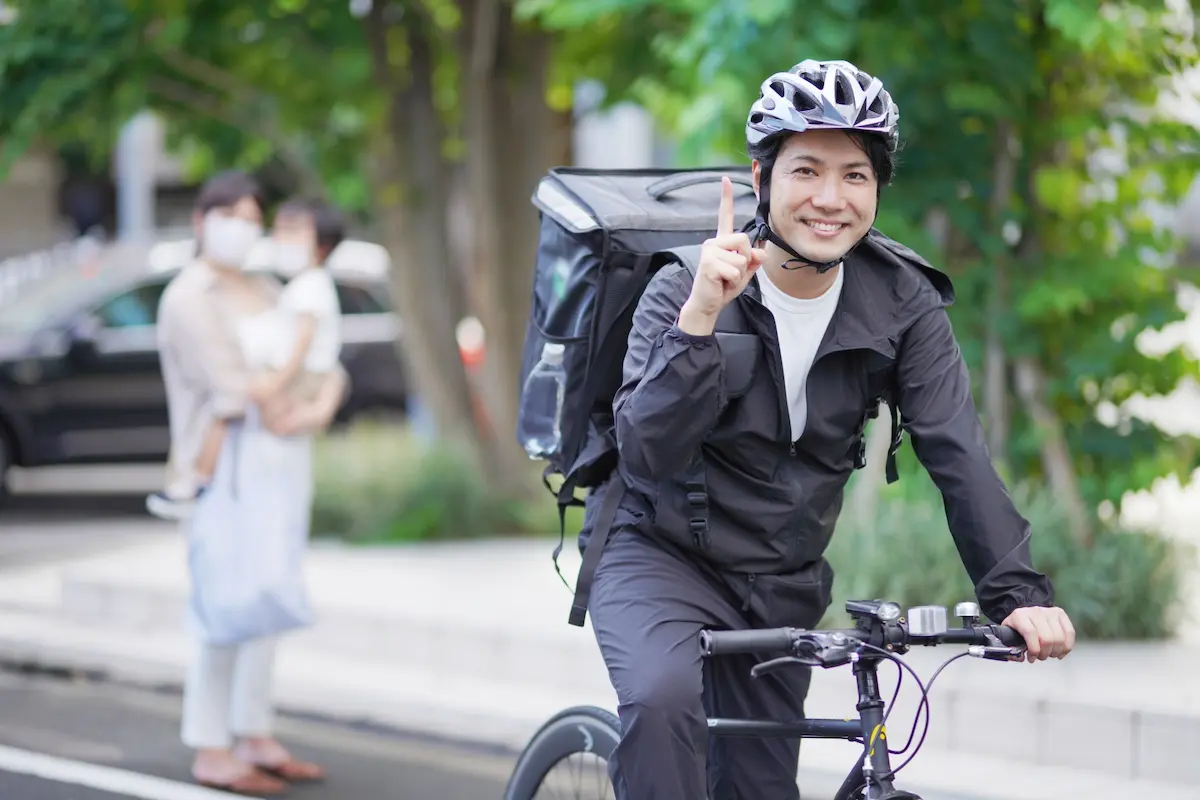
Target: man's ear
(756, 172)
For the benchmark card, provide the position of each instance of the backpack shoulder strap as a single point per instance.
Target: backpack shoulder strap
(688, 255)
(888, 394)
(893, 474)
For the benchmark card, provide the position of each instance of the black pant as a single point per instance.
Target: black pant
(648, 606)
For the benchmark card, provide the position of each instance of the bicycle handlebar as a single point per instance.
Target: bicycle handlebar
(791, 640)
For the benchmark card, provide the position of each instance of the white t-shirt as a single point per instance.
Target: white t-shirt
(313, 292)
(801, 324)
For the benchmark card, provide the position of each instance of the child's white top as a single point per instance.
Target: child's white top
(313, 292)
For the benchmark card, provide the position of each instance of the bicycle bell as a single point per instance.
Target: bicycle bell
(968, 613)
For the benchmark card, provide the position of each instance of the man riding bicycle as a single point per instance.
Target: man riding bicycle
(733, 442)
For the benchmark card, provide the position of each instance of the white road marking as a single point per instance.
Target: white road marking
(105, 779)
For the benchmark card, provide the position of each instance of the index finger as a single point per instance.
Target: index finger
(725, 212)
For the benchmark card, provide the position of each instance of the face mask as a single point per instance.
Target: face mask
(227, 241)
(292, 257)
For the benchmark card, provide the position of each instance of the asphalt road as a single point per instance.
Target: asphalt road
(109, 741)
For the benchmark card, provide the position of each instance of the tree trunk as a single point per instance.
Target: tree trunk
(995, 370)
(512, 138)
(1056, 456)
(411, 182)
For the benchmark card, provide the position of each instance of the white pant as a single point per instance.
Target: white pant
(228, 693)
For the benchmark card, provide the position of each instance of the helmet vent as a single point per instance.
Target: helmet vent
(843, 90)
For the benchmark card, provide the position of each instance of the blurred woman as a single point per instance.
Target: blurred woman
(249, 524)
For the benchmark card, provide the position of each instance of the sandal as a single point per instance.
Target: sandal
(255, 783)
(294, 771)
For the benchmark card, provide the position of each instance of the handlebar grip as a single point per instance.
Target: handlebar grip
(765, 640)
(1008, 636)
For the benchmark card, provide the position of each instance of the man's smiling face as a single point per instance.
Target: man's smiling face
(824, 193)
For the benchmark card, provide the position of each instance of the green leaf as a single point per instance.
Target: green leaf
(977, 98)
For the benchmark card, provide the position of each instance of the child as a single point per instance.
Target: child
(306, 232)
(292, 366)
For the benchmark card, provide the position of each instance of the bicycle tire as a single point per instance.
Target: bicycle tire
(580, 729)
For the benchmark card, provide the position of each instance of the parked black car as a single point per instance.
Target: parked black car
(80, 380)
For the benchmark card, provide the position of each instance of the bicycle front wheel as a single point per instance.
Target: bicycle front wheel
(568, 758)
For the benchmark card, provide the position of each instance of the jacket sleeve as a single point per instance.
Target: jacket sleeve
(670, 396)
(991, 535)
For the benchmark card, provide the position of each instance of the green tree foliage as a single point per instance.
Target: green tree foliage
(399, 113)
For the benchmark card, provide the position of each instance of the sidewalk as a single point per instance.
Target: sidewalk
(471, 641)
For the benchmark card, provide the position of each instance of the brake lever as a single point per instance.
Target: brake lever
(997, 653)
(778, 663)
(996, 650)
(812, 652)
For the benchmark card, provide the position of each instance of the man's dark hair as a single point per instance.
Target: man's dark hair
(328, 221)
(226, 189)
(882, 157)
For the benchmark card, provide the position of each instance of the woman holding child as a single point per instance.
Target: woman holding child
(251, 372)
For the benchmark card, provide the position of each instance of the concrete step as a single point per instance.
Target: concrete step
(494, 616)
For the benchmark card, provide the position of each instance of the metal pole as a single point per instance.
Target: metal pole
(138, 149)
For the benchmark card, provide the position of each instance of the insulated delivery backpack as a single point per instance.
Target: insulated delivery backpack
(604, 233)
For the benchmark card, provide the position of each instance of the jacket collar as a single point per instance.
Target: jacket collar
(863, 317)
(881, 293)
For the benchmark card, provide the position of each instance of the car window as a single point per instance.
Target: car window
(357, 300)
(136, 307)
(30, 306)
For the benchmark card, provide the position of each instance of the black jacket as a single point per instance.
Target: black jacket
(704, 437)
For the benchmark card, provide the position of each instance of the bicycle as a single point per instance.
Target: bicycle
(882, 632)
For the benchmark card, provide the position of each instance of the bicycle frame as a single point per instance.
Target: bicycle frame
(868, 728)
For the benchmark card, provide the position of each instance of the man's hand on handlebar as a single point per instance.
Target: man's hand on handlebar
(1048, 632)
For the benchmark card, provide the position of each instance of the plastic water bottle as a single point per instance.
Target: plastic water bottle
(541, 404)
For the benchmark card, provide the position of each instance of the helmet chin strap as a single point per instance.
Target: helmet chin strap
(763, 232)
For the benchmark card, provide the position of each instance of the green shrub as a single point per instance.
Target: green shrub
(378, 483)
(1127, 585)
(356, 474)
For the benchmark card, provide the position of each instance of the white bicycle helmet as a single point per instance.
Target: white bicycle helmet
(823, 94)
